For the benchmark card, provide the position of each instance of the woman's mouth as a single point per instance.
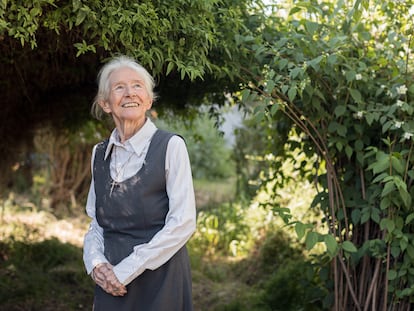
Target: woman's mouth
(130, 105)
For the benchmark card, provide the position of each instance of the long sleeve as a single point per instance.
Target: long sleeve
(180, 221)
(93, 246)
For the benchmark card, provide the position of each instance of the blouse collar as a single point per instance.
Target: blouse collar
(136, 142)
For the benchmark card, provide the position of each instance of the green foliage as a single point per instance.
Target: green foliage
(340, 74)
(210, 156)
(287, 279)
(233, 274)
(47, 275)
(289, 289)
(170, 36)
(223, 230)
(52, 51)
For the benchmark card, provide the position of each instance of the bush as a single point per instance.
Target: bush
(46, 275)
(209, 155)
(283, 277)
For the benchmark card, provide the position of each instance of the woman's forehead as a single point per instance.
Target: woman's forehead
(125, 74)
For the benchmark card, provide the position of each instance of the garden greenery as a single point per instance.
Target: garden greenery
(52, 50)
(340, 75)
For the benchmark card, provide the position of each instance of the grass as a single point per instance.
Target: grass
(45, 275)
(41, 260)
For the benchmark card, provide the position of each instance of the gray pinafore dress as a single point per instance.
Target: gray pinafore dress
(132, 215)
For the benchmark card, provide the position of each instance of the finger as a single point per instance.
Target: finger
(116, 285)
(99, 277)
(119, 291)
(111, 283)
(115, 291)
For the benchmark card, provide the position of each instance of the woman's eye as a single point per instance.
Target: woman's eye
(137, 86)
(118, 88)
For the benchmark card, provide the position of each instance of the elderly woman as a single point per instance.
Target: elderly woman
(141, 201)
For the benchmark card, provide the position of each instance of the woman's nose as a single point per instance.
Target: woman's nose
(130, 91)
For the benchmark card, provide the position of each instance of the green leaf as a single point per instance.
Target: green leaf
(385, 203)
(342, 130)
(80, 17)
(359, 145)
(331, 244)
(274, 108)
(398, 164)
(332, 58)
(366, 215)
(410, 251)
(295, 9)
(300, 229)
(340, 110)
(170, 67)
(356, 95)
(292, 93)
(403, 244)
(282, 63)
(349, 247)
(245, 94)
(314, 63)
(392, 275)
(350, 75)
(295, 72)
(405, 196)
(386, 126)
(409, 218)
(356, 216)
(388, 188)
(381, 164)
(270, 85)
(380, 178)
(311, 27)
(369, 117)
(339, 145)
(387, 224)
(311, 240)
(349, 151)
(376, 215)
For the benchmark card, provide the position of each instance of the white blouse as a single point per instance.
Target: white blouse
(180, 222)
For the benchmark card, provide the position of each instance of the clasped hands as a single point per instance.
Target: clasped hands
(103, 275)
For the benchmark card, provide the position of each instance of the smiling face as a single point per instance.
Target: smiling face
(128, 98)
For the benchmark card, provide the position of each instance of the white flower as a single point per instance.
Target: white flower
(358, 115)
(358, 76)
(411, 10)
(401, 90)
(398, 124)
(399, 103)
(389, 93)
(407, 135)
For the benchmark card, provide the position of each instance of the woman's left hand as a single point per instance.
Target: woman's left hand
(104, 276)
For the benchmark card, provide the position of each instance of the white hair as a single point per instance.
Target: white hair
(103, 81)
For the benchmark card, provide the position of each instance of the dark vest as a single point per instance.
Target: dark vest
(137, 207)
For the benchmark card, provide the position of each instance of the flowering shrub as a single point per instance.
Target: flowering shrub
(339, 74)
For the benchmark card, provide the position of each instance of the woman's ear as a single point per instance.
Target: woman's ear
(149, 106)
(105, 106)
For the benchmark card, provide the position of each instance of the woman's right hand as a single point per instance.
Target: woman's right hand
(104, 276)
